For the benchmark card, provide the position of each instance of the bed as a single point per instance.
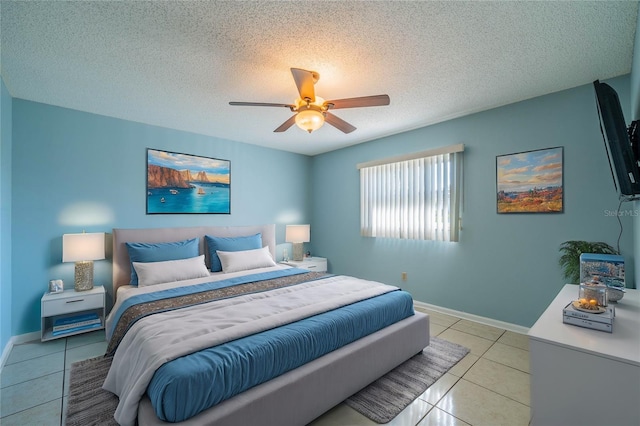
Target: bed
(295, 395)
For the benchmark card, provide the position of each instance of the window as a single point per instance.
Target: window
(414, 197)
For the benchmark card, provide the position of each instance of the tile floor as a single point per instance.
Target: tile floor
(490, 386)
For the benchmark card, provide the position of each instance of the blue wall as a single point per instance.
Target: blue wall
(505, 267)
(75, 171)
(64, 171)
(5, 216)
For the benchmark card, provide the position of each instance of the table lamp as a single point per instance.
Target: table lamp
(83, 249)
(297, 235)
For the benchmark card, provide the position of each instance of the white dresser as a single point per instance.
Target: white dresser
(585, 377)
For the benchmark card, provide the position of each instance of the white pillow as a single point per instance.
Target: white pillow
(234, 261)
(150, 273)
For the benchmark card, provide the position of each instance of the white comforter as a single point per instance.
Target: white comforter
(127, 291)
(162, 337)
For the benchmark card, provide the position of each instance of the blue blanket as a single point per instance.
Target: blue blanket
(188, 385)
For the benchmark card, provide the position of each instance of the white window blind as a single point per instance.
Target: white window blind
(414, 197)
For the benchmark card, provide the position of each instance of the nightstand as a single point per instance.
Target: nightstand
(316, 264)
(71, 312)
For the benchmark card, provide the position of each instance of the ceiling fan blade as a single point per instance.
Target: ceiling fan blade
(364, 101)
(285, 126)
(304, 81)
(338, 123)
(261, 104)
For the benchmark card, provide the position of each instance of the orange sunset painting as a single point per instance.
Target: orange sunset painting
(530, 182)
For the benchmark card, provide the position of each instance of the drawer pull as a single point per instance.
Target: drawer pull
(311, 266)
(74, 301)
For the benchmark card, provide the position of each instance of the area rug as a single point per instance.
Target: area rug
(381, 401)
(88, 403)
(385, 398)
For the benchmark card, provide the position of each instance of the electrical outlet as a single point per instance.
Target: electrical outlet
(404, 276)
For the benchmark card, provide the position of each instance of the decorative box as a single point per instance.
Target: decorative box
(602, 320)
(607, 269)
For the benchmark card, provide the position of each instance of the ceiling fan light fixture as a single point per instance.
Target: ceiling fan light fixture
(312, 111)
(309, 119)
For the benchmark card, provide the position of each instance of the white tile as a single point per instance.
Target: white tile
(65, 401)
(47, 414)
(30, 369)
(518, 340)
(480, 330)
(436, 329)
(501, 379)
(412, 414)
(67, 376)
(440, 318)
(476, 405)
(30, 394)
(35, 349)
(81, 353)
(477, 345)
(437, 417)
(463, 365)
(437, 390)
(85, 339)
(508, 355)
(342, 414)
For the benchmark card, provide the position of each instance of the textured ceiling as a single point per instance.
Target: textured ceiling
(178, 64)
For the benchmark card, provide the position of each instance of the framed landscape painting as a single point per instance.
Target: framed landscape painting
(530, 182)
(183, 183)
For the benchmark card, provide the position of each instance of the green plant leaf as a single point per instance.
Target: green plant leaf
(570, 256)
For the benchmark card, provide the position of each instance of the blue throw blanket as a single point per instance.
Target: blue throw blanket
(188, 385)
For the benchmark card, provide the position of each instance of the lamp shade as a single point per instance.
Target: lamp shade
(80, 247)
(297, 234)
(309, 120)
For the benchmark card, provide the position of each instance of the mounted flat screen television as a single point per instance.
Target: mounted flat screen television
(622, 158)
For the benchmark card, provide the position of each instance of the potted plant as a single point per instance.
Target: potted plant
(570, 258)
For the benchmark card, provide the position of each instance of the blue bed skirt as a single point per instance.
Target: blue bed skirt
(184, 387)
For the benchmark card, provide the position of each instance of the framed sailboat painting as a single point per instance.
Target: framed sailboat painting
(184, 183)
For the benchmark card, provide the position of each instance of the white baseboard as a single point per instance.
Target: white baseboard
(5, 352)
(17, 340)
(477, 318)
(27, 337)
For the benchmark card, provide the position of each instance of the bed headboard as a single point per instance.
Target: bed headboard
(122, 266)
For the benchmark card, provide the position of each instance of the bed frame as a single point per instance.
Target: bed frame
(301, 395)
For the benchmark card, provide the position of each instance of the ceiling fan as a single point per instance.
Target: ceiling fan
(312, 111)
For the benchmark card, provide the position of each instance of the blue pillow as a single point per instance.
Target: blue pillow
(250, 242)
(160, 252)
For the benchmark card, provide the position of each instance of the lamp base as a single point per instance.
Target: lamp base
(298, 254)
(84, 275)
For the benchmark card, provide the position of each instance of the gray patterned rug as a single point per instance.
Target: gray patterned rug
(381, 401)
(385, 398)
(88, 404)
